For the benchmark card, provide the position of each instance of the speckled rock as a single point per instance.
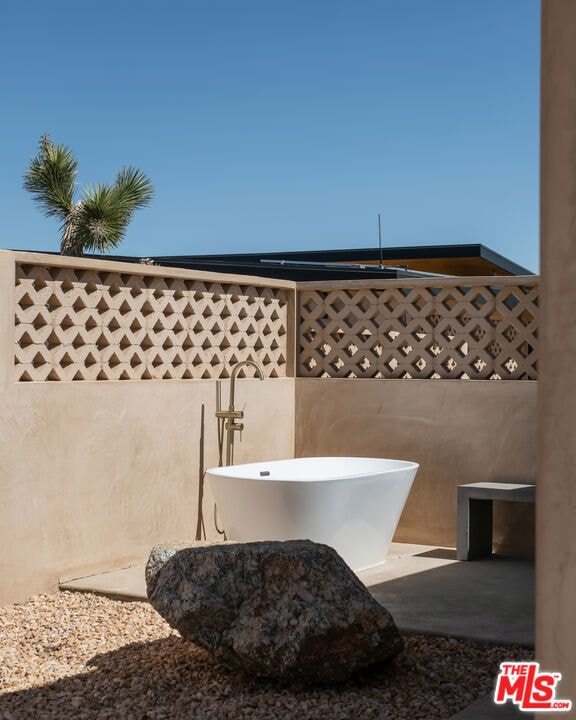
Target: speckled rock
(285, 610)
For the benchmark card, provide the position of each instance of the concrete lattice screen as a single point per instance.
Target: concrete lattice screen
(88, 323)
(83, 324)
(464, 328)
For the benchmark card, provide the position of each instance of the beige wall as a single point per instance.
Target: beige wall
(93, 474)
(556, 507)
(459, 432)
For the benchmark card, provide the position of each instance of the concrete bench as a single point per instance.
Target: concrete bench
(474, 538)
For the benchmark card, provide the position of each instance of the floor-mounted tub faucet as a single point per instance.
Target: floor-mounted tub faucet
(227, 419)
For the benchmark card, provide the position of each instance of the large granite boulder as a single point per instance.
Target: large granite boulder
(290, 610)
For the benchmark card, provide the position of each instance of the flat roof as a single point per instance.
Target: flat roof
(475, 260)
(458, 260)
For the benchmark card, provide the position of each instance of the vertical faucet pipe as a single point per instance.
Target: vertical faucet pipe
(221, 422)
(232, 425)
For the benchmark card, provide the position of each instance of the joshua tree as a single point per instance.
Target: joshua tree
(98, 221)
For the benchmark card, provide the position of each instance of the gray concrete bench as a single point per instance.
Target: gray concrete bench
(474, 538)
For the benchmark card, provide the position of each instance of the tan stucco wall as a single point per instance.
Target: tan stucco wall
(459, 432)
(94, 473)
(556, 507)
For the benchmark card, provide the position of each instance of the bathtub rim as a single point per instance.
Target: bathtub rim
(224, 471)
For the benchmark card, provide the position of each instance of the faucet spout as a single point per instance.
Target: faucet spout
(235, 371)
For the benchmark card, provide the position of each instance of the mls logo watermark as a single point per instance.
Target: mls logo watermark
(530, 689)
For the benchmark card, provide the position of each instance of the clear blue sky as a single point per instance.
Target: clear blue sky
(270, 125)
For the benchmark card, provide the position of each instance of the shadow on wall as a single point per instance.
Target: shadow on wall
(515, 529)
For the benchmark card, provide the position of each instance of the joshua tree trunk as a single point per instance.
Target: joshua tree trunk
(69, 244)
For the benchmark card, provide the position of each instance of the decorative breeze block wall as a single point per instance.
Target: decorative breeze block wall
(79, 324)
(432, 329)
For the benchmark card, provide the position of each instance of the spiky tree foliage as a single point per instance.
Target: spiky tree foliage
(98, 221)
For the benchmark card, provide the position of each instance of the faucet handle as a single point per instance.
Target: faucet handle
(230, 414)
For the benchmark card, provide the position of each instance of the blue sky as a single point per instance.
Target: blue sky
(270, 125)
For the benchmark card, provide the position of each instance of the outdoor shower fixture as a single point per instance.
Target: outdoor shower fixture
(227, 419)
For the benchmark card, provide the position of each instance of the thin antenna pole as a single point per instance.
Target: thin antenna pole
(380, 240)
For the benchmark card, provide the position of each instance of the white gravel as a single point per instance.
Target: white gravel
(85, 657)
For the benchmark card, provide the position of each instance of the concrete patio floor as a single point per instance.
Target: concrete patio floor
(427, 591)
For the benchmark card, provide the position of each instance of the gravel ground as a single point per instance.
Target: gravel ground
(86, 657)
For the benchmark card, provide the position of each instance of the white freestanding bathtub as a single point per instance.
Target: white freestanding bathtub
(352, 504)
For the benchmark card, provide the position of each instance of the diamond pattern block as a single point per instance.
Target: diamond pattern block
(76, 324)
(440, 330)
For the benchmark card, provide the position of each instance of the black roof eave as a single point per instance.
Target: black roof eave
(359, 255)
(294, 272)
(234, 262)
